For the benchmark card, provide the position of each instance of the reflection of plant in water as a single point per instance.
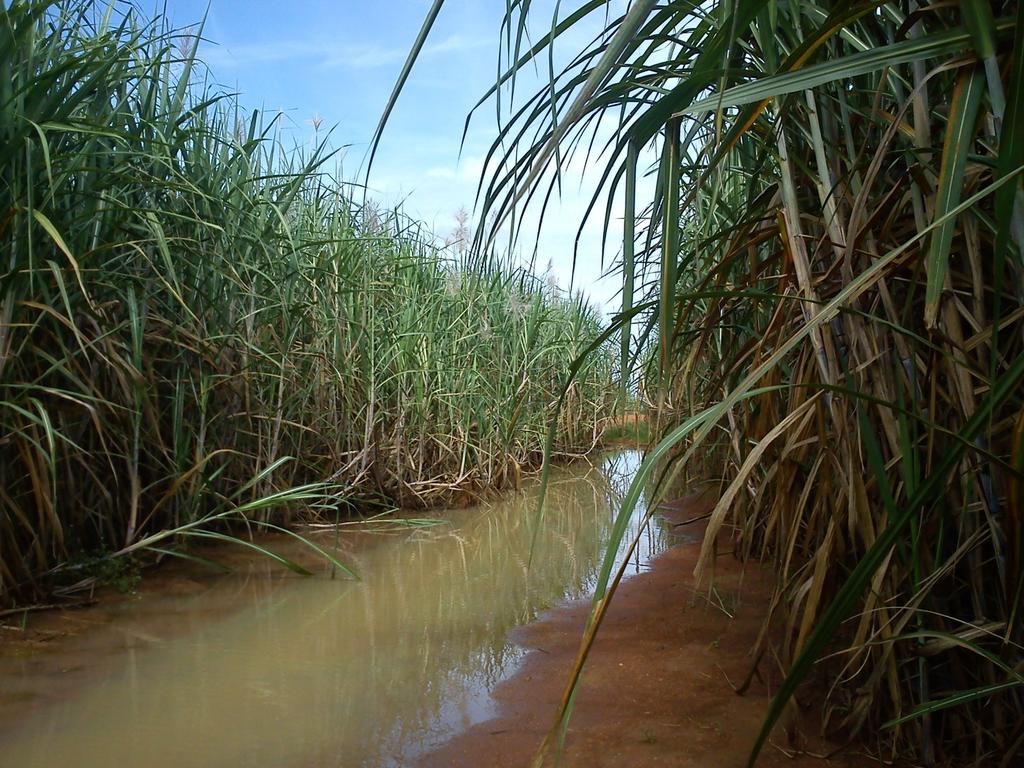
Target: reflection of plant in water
(485, 586)
(122, 573)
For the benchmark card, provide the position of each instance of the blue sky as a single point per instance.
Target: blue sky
(339, 61)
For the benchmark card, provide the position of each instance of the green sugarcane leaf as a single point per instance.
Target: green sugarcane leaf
(961, 697)
(945, 43)
(963, 118)
(291, 565)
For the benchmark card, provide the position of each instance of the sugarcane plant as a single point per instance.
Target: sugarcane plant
(823, 289)
(205, 329)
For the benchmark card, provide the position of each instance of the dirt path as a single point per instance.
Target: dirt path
(656, 688)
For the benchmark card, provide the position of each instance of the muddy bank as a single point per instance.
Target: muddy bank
(656, 690)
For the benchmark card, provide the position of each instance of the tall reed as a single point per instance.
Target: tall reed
(828, 290)
(198, 323)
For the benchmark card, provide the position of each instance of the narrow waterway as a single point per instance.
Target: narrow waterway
(260, 668)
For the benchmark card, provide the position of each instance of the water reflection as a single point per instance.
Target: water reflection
(264, 671)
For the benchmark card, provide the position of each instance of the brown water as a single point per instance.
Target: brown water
(261, 668)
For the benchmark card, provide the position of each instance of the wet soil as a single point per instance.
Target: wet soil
(658, 686)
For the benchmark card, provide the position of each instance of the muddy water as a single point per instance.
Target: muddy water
(260, 668)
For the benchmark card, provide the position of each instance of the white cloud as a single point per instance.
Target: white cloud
(363, 57)
(322, 54)
(457, 43)
(328, 54)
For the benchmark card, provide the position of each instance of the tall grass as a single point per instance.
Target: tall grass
(199, 324)
(828, 295)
